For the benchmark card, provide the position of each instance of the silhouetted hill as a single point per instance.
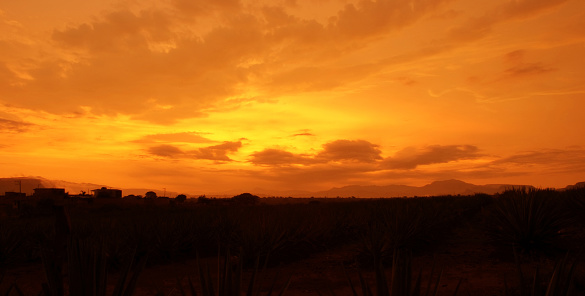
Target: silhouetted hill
(30, 183)
(445, 187)
(452, 187)
(26, 184)
(577, 185)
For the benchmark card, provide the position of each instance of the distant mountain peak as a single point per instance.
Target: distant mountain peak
(449, 182)
(577, 185)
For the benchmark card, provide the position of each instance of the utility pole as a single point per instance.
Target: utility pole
(19, 186)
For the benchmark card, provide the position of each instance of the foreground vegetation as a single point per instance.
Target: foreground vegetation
(127, 236)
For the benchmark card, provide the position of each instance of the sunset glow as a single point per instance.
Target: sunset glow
(201, 96)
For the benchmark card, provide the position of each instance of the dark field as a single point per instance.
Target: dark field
(521, 242)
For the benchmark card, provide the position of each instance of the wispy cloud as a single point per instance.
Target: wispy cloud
(186, 137)
(166, 151)
(528, 69)
(148, 65)
(11, 126)
(411, 158)
(364, 152)
(216, 152)
(350, 150)
(556, 160)
(277, 157)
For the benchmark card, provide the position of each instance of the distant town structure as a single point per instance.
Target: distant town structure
(53, 193)
(11, 194)
(107, 193)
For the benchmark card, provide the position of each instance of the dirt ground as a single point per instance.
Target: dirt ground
(464, 256)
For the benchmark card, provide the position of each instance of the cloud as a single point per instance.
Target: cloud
(556, 160)
(518, 66)
(320, 78)
(186, 137)
(350, 150)
(474, 172)
(137, 64)
(366, 153)
(478, 27)
(166, 151)
(118, 30)
(216, 153)
(158, 67)
(303, 134)
(346, 151)
(515, 56)
(376, 17)
(527, 69)
(202, 7)
(276, 157)
(528, 8)
(411, 158)
(12, 126)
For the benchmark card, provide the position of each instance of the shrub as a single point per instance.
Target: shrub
(527, 219)
(246, 198)
(181, 198)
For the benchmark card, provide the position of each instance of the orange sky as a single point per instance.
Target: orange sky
(202, 96)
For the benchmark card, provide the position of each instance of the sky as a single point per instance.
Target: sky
(202, 96)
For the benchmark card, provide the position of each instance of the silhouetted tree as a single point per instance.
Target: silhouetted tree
(181, 198)
(246, 198)
(150, 194)
(202, 199)
(132, 196)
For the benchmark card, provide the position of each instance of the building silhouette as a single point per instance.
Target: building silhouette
(11, 194)
(107, 193)
(54, 193)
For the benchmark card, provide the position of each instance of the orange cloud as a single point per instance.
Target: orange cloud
(518, 66)
(202, 7)
(410, 158)
(478, 27)
(119, 72)
(371, 18)
(276, 157)
(303, 134)
(142, 64)
(11, 126)
(166, 151)
(185, 137)
(527, 69)
(363, 152)
(357, 151)
(565, 160)
(301, 74)
(119, 31)
(216, 152)
(348, 150)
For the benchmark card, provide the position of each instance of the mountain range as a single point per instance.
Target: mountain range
(446, 187)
